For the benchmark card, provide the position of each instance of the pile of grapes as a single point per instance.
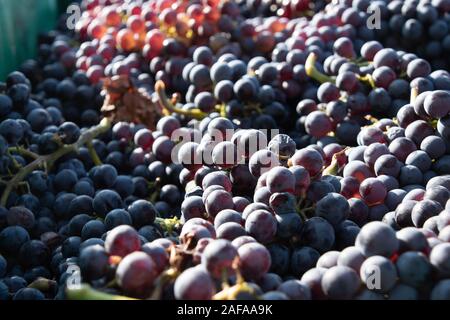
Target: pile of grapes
(229, 149)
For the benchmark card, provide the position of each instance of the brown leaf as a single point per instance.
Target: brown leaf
(125, 102)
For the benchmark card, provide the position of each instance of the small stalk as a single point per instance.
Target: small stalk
(312, 72)
(368, 79)
(414, 94)
(93, 154)
(85, 292)
(23, 152)
(167, 104)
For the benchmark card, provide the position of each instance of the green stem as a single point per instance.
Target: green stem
(85, 292)
(24, 152)
(48, 160)
(414, 94)
(312, 72)
(167, 104)
(93, 154)
(368, 78)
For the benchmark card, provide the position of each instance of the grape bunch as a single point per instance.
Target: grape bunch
(278, 150)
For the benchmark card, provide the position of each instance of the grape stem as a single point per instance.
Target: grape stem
(160, 89)
(312, 72)
(85, 292)
(93, 154)
(367, 78)
(48, 160)
(414, 94)
(24, 152)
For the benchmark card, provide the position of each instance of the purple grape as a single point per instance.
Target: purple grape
(254, 260)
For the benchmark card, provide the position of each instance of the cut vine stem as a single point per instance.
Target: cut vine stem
(312, 72)
(48, 160)
(160, 89)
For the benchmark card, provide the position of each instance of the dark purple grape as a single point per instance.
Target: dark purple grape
(414, 269)
(411, 239)
(340, 282)
(334, 208)
(122, 241)
(381, 268)
(136, 274)
(318, 124)
(377, 238)
(254, 260)
(318, 234)
(439, 258)
(261, 225)
(194, 284)
(303, 259)
(219, 258)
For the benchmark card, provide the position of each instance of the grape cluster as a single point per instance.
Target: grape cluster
(292, 153)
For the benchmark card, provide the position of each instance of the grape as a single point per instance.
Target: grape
(310, 159)
(217, 178)
(434, 146)
(340, 282)
(261, 225)
(12, 238)
(358, 170)
(217, 201)
(122, 240)
(328, 260)
(318, 234)
(92, 229)
(344, 47)
(403, 212)
(441, 290)
(282, 145)
(105, 201)
(20, 216)
(306, 106)
(381, 268)
(93, 262)
(303, 259)
(240, 241)
(334, 208)
(274, 295)
(424, 210)
(373, 152)
(262, 161)
(436, 104)
(420, 160)
(28, 294)
(230, 231)
(280, 179)
(401, 148)
(194, 284)
(218, 258)
(390, 182)
(192, 207)
(418, 130)
(289, 225)
(411, 239)
(254, 260)
(439, 258)
(414, 269)
(403, 292)
(418, 68)
(372, 191)
(376, 238)
(318, 124)
(295, 290)
(136, 274)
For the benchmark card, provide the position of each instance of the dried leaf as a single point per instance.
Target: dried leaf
(125, 102)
